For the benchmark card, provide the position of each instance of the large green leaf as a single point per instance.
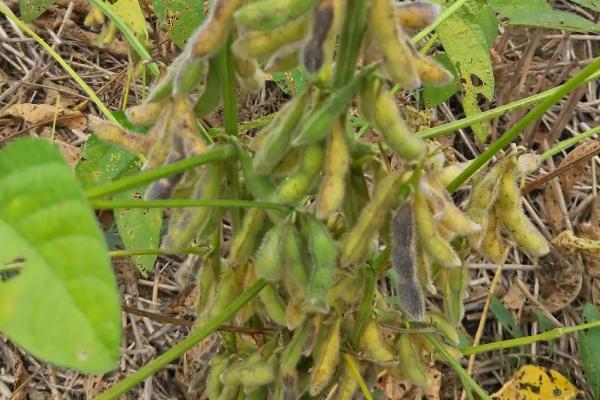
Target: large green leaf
(31, 9)
(466, 45)
(63, 306)
(591, 4)
(181, 17)
(589, 348)
(539, 13)
(131, 13)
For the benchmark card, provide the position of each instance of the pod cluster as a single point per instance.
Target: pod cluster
(325, 320)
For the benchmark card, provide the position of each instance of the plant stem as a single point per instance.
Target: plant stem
(127, 253)
(178, 203)
(219, 153)
(128, 34)
(354, 369)
(351, 35)
(494, 113)
(443, 16)
(521, 124)
(179, 349)
(545, 336)
(464, 376)
(88, 90)
(565, 144)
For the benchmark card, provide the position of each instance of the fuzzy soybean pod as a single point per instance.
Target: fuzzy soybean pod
(395, 132)
(369, 90)
(244, 242)
(211, 95)
(290, 357)
(348, 383)
(337, 163)
(399, 56)
(268, 260)
(324, 254)
(187, 223)
(436, 247)
(416, 15)
(292, 249)
(278, 135)
(259, 186)
(326, 360)
(218, 365)
(404, 261)
(274, 305)
(510, 212)
(285, 59)
(371, 219)
(323, 26)
(267, 15)
(430, 72)
(250, 75)
(184, 127)
(295, 186)
(113, 133)
(229, 287)
(190, 74)
(493, 246)
(445, 327)
(319, 123)
(411, 363)
(209, 37)
(455, 285)
(373, 343)
(145, 114)
(257, 44)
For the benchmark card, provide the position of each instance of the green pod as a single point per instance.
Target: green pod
(228, 288)
(278, 135)
(285, 59)
(455, 286)
(260, 187)
(274, 305)
(207, 283)
(213, 32)
(295, 277)
(268, 262)
(296, 185)
(189, 76)
(348, 383)
(292, 353)
(244, 242)
(259, 394)
(219, 365)
(413, 370)
(164, 87)
(211, 96)
(256, 44)
(187, 223)
(319, 123)
(324, 254)
(266, 15)
(145, 114)
(395, 132)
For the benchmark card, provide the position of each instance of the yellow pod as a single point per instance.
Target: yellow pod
(145, 114)
(115, 134)
(259, 44)
(94, 17)
(436, 247)
(348, 383)
(184, 127)
(374, 344)
(251, 77)
(443, 326)
(326, 360)
(285, 59)
(399, 55)
(314, 328)
(412, 367)
(333, 185)
(493, 246)
(294, 313)
(510, 212)
(432, 73)
(371, 219)
(244, 242)
(163, 139)
(214, 30)
(416, 15)
(451, 172)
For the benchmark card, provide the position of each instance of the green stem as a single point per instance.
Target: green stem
(88, 90)
(220, 153)
(565, 144)
(177, 203)
(443, 16)
(179, 349)
(521, 124)
(464, 376)
(351, 35)
(354, 369)
(545, 336)
(138, 47)
(128, 253)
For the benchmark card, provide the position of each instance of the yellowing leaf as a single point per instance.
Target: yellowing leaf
(131, 13)
(531, 382)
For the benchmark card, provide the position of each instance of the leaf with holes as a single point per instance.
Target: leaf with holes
(131, 13)
(181, 17)
(467, 46)
(540, 14)
(31, 9)
(63, 305)
(139, 228)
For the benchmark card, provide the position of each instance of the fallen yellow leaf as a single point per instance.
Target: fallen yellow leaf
(531, 382)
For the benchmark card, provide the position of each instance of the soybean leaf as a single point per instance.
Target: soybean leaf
(131, 13)
(466, 45)
(181, 17)
(589, 347)
(436, 95)
(63, 305)
(139, 228)
(539, 13)
(31, 9)
(486, 19)
(591, 4)
(505, 317)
